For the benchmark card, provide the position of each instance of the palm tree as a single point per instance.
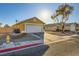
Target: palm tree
(64, 11)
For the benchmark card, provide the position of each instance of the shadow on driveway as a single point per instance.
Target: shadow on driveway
(66, 33)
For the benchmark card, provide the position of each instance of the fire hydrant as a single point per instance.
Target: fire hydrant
(8, 39)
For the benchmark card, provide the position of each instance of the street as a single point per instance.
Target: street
(54, 45)
(60, 45)
(63, 48)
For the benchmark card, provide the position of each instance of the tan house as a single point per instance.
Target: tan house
(31, 25)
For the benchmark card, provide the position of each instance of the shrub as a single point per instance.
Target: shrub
(16, 31)
(58, 30)
(67, 30)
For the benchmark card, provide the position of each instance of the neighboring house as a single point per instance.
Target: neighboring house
(68, 26)
(4, 30)
(73, 27)
(50, 27)
(77, 27)
(32, 25)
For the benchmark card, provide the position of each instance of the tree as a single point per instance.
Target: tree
(6, 25)
(64, 11)
(16, 20)
(56, 20)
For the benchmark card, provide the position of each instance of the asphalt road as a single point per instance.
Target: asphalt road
(64, 48)
(38, 50)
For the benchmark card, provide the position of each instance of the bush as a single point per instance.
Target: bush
(58, 30)
(67, 30)
(16, 31)
(21, 35)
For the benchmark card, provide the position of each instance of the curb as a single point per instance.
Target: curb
(18, 47)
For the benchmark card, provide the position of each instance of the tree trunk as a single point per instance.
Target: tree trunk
(63, 27)
(57, 20)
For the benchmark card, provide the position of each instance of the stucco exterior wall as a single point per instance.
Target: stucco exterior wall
(21, 25)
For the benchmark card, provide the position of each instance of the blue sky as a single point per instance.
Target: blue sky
(10, 12)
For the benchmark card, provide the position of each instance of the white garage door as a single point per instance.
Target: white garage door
(33, 28)
(72, 28)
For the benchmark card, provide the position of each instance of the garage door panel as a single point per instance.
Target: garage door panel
(33, 28)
